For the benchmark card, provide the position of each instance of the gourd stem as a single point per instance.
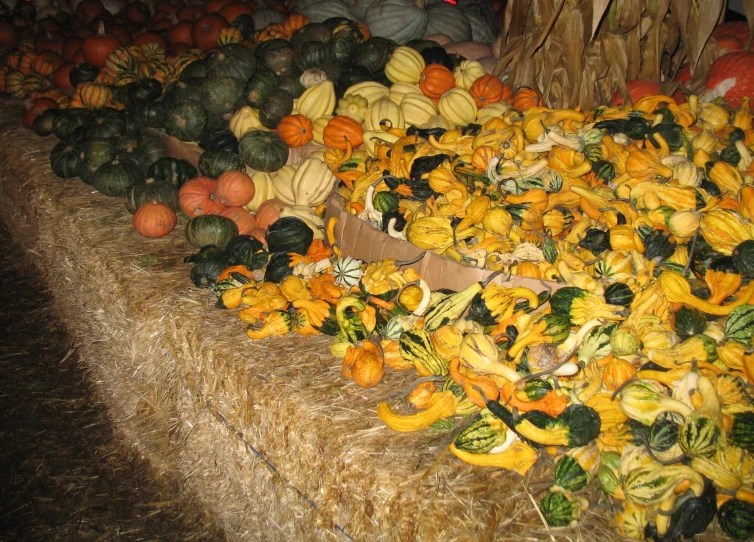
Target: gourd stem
(401, 263)
(455, 246)
(620, 388)
(657, 459)
(692, 248)
(524, 379)
(489, 279)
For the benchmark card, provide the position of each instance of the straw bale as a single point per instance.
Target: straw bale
(267, 436)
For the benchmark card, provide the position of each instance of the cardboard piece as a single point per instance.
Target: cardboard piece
(362, 241)
(179, 149)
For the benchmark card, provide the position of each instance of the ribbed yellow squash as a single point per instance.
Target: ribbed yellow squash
(405, 65)
(317, 101)
(244, 120)
(384, 111)
(312, 183)
(491, 111)
(263, 190)
(318, 129)
(307, 214)
(371, 90)
(458, 106)
(417, 109)
(282, 184)
(467, 72)
(398, 91)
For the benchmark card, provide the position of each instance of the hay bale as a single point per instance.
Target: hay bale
(267, 436)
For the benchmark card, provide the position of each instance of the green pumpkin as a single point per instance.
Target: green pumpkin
(206, 230)
(232, 60)
(569, 474)
(373, 54)
(619, 294)
(151, 149)
(292, 85)
(736, 519)
(116, 178)
(311, 32)
(146, 90)
(345, 42)
(743, 258)
(94, 153)
(245, 24)
(280, 61)
(183, 91)
(151, 190)
(482, 436)
(278, 104)
(214, 163)
(151, 114)
(67, 120)
(385, 201)
(197, 69)
(663, 434)
(264, 48)
(127, 150)
(209, 262)
(221, 95)
(739, 325)
(700, 436)
(64, 159)
(289, 234)
(557, 509)
(278, 268)
(109, 123)
(173, 170)
(312, 54)
(688, 321)
(263, 151)
(44, 123)
(185, 120)
(259, 86)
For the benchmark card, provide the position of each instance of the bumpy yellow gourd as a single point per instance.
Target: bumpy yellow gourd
(354, 106)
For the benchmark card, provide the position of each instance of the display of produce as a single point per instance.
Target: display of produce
(635, 374)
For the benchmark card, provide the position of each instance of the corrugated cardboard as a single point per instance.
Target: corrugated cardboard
(360, 240)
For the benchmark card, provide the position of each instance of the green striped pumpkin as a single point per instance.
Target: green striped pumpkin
(739, 325)
(416, 346)
(742, 431)
(483, 435)
(700, 436)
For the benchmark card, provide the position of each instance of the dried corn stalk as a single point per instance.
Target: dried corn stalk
(578, 52)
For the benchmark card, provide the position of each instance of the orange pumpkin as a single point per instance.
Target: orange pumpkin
(235, 188)
(342, 129)
(198, 197)
(616, 372)
(137, 13)
(96, 48)
(259, 234)
(293, 22)
(233, 10)
(10, 36)
(435, 80)
(206, 31)
(181, 33)
(35, 108)
(154, 219)
(296, 130)
(489, 89)
(244, 219)
(273, 31)
(526, 98)
(268, 212)
(190, 13)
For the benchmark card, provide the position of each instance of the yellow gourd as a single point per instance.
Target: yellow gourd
(384, 114)
(417, 109)
(263, 190)
(317, 101)
(458, 106)
(467, 72)
(318, 129)
(400, 90)
(371, 90)
(354, 106)
(244, 120)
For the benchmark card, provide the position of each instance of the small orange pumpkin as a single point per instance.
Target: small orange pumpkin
(295, 21)
(296, 130)
(616, 372)
(268, 212)
(198, 197)
(235, 188)
(243, 219)
(435, 80)
(342, 129)
(154, 219)
(489, 89)
(94, 96)
(526, 98)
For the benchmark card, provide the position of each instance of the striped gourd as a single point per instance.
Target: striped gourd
(14, 84)
(741, 433)
(739, 325)
(700, 436)
(483, 435)
(94, 96)
(26, 63)
(450, 307)
(34, 82)
(120, 61)
(416, 347)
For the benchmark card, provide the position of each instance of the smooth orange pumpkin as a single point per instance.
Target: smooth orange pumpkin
(137, 13)
(61, 76)
(296, 130)
(206, 31)
(181, 33)
(154, 219)
(340, 130)
(233, 10)
(213, 6)
(198, 197)
(294, 22)
(245, 221)
(71, 46)
(489, 89)
(526, 98)
(88, 10)
(259, 234)
(35, 108)
(268, 212)
(190, 13)
(10, 36)
(637, 89)
(235, 188)
(150, 37)
(96, 48)
(435, 80)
